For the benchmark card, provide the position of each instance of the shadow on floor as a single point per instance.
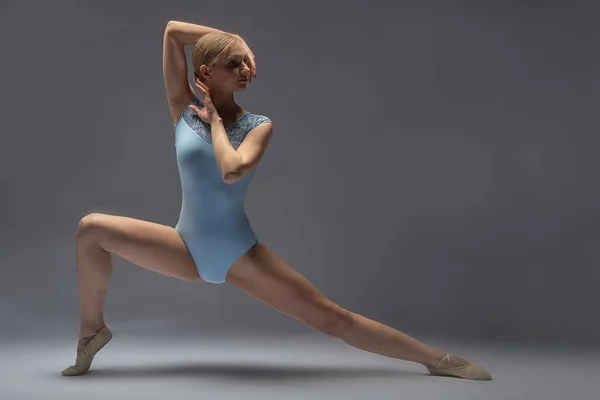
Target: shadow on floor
(246, 372)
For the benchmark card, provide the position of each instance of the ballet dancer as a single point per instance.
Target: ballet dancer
(218, 145)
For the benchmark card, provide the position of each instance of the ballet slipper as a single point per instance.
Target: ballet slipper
(466, 370)
(86, 350)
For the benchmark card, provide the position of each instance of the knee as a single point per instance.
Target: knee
(88, 225)
(335, 321)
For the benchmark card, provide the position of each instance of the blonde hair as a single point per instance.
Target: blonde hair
(211, 49)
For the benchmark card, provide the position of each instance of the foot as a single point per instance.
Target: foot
(87, 347)
(459, 367)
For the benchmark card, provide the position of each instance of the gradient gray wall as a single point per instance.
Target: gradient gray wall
(433, 163)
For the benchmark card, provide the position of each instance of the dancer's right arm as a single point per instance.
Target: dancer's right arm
(179, 91)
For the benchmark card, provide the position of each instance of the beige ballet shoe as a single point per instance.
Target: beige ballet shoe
(466, 370)
(86, 350)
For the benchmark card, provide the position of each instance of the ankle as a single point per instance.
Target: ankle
(90, 329)
(435, 361)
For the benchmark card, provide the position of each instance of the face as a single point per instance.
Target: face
(231, 74)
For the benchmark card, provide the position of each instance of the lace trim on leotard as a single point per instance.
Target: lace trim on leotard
(236, 133)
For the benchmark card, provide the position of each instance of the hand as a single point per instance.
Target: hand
(251, 58)
(208, 113)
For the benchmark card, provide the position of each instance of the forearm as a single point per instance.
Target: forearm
(186, 33)
(228, 159)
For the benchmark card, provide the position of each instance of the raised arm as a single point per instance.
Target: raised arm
(175, 73)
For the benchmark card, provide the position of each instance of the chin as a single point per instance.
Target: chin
(240, 88)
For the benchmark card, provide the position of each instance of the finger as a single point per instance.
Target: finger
(251, 69)
(202, 85)
(200, 88)
(204, 90)
(249, 74)
(198, 82)
(253, 62)
(251, 57)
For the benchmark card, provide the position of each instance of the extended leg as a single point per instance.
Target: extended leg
(268, 278)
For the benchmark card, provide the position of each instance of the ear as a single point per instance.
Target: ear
(205, 72)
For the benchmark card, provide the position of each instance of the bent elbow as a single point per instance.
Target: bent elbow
(171, 27)
(232, 177)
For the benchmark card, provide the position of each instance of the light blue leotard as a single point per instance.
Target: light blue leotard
(212, 222)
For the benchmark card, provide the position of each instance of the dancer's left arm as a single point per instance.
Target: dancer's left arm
(234, 164)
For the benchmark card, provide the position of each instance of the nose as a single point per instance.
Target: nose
(245, 71)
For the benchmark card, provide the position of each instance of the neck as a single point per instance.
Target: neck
(224, 102)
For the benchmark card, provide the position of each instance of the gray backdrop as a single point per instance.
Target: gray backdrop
(432, 166)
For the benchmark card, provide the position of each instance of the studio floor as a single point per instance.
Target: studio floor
(265, 367)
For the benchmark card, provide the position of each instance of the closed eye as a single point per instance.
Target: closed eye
(234, 64)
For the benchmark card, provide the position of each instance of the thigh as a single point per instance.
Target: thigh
(265, 276)
(156, 247)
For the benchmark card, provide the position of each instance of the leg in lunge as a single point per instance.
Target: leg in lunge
(268, 278)
(156, 247)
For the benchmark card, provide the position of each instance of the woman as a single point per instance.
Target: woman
(218, 145)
